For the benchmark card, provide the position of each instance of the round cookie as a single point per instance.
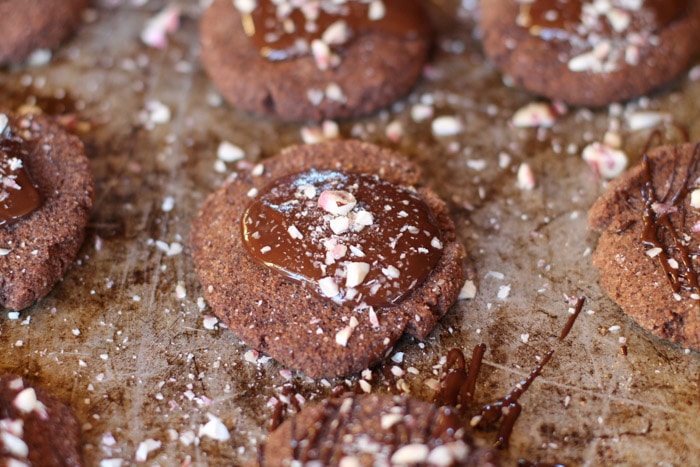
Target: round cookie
(35, 427)
(37, 245)
(649, 219)
(349, 66)
(294, 322)
(28, 25)
(371, 429)
(591, 53)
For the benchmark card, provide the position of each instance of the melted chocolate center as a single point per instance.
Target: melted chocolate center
(18, 195)
(563, 19)
(282, 30)
(353, 238)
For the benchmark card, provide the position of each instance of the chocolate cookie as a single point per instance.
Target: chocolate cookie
(591, 53)
(648, 249)
(36, 24)
(328, 257)
(370, 430)
(316, 60)
(46, 191)
(35, 427)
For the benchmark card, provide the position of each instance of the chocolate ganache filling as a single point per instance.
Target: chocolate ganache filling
(18, 195)
(566, 19)
(285, 29)
(353, 238)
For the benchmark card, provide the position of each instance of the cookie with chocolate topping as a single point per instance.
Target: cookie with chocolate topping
(46, 193)
(35, 427)
(372, 429)
(328, 257)
(648, 251)
(314, 60)
(591, 53)
(28, 25)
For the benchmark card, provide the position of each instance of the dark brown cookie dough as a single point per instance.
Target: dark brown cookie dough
(37, 249)
(374, 67)
(615, 53)
(35, 427)
(372, 430)
(284, 318)
(647, 253)
(36, 24)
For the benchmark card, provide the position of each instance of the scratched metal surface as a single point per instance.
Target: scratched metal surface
(117, 340)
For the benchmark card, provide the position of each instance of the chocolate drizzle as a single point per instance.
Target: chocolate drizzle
(660, 235)
(18, 195)
(284, 30)
(459, 384)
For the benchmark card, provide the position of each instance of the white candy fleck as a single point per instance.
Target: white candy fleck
(145, 448)
(155, 33)
(229, 152)
(14, 444)
(214, 429)
(526, 177)
(645, 120)
(342, 336)
(356, 273)
(245, 6)
(293, 232)
(339, 224)
(389, 420)
(534, 114)
(377, 10)
(337, 202)
(391, 272)
(654, 252)
(210, 322)
(26, 401)
(411, 454)
(695, 198)
(447, 126)
(503, 292)
(329, 287)
(468, 291)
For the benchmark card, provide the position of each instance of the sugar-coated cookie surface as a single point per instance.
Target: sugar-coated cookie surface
(328, 59)
(46, 195)
(36, 24)
(339, 311)
(591, 53)
(35, 427)
(649, 220)
(370, 430)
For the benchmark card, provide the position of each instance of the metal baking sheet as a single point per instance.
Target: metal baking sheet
(126, 339)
